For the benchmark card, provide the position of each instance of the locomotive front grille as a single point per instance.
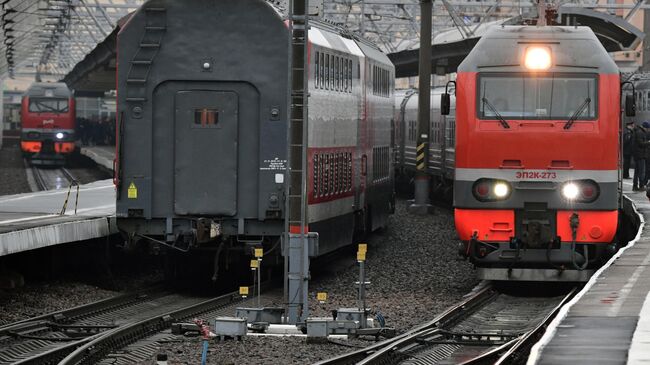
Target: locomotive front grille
(535, 225)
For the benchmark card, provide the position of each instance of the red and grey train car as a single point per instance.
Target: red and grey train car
(441, 141)
(536, 189)
(48, 123)
(202, 127)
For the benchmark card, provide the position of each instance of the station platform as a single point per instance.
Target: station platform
(608, 322)
(31, 221)
(102, 155)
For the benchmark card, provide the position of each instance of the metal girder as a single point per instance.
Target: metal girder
(52, 36)
(56, 34)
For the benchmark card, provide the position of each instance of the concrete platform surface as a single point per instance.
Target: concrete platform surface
(30, 221)
(608, 322)
(102, 155)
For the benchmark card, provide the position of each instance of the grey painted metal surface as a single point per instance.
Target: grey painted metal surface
(32, 221)
(597, 327)
(203, 123)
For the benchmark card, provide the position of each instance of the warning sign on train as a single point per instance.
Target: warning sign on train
(132, 191)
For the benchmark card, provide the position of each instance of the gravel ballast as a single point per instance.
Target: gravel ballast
(41, 298)
(13, 179)
(415, 273)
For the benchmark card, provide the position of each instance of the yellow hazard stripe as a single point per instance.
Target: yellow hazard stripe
(421, 166)
(419, 158)
(420, 147)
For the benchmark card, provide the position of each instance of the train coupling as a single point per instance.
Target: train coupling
(207, 230)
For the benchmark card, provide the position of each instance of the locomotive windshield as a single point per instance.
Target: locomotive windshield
(48, 105)
(546, 96)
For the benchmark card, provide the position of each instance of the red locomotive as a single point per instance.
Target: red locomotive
(537, 188)
(48, 123)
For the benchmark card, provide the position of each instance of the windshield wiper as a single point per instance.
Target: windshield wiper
(503, 122)
(575, 115)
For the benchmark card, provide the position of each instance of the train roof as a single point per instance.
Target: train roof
(502, 49)
(49, 89)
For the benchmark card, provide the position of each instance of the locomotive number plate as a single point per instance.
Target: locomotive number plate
(536, 175)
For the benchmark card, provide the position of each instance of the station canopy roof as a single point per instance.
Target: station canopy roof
(74, 40)
(450, 47)
(47, 38)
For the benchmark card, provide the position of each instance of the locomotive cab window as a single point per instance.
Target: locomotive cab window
(48, 105)
(206, 117)
(542, 96)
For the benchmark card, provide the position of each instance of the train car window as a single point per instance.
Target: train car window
(546, 96)
(374, 80)
(317, 70)
(48, 105)
(322, 69)
(332, 82)
(639, 102)
(327, 72)
(643, 101)
(206, 117)
(336, 73)
(342, 73)
(384, 84)
(350, 73)
(451, 131)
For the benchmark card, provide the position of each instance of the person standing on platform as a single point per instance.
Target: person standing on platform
(628, 145)
(639, 153)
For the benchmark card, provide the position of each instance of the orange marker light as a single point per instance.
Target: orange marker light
(537, 58)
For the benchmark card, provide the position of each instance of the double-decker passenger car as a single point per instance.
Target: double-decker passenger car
(536, 190)
(441, 141)
(48, 123)
(202, 121)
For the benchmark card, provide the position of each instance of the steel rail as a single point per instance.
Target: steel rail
(528, 340)
(43, 184)
(92, 351)
(68, 175)
(38, 179)
(507, 352)
(451, 315)
(67, 315)
(32, 328)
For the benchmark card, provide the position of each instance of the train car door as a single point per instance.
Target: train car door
(205, 166)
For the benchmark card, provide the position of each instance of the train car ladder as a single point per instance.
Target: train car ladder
(140, 65)
(297, 242)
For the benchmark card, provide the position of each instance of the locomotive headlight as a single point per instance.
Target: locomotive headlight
(501, 190)
(59, 135)
(570, 191)
(537, 58)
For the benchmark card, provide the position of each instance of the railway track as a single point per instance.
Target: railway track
(489, 327)
(48, 178)
(26, 341)
(90, 333)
